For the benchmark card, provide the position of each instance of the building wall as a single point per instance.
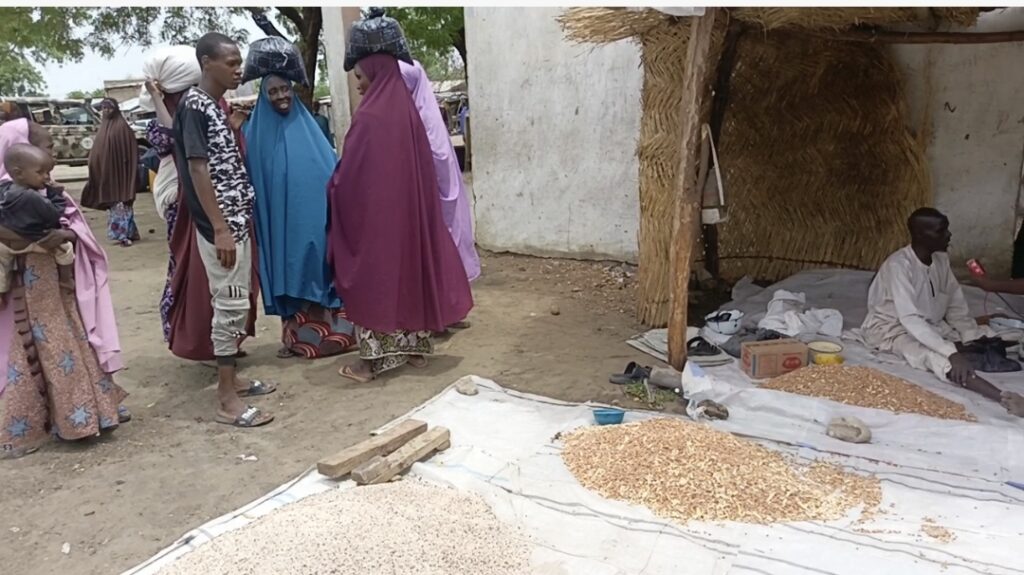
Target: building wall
(970, 97)
(555, 125)
(122, 90)
(554, 129)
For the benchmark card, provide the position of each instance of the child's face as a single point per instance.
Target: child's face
(35, 175)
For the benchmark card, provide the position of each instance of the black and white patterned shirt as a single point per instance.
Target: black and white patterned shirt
(201, 131)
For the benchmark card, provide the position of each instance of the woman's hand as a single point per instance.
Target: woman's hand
(238, 117)
(55, 238)
(153, 87)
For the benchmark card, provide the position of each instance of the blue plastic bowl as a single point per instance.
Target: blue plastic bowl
(606, 416)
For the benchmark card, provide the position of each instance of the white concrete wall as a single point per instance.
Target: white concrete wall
(554, 129)
(974, 95)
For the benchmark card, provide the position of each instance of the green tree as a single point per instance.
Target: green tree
(31, 36)
(86, 94)
(34, 36)
(433, 32)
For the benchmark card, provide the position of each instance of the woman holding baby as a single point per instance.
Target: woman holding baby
(59, 348)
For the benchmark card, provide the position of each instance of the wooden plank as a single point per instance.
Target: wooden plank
(383, 469)
(696, 87)
(896, 37)
(346, 460)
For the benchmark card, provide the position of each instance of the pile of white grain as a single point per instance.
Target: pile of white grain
(689, 471)
(866, 387)
(407, 527)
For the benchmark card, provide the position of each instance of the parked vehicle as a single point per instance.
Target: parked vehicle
(72, 123)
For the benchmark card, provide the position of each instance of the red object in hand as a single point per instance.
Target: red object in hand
(975, 268)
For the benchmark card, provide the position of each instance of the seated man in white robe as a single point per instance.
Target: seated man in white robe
(917, 310)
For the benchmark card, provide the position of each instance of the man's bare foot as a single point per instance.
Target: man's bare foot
(417, 361)
(1013, 402)
(231, 405)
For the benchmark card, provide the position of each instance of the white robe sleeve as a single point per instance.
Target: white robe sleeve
(958, 314)
(912, 319)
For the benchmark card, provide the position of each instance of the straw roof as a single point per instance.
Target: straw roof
(602, 25)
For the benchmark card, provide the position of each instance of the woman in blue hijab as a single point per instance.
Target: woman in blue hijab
(290, 162)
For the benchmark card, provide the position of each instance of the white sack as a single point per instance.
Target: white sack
(165, 185)
(787, 314)
(174, 67)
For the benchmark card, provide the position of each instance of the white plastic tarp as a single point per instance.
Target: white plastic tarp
(504, 449)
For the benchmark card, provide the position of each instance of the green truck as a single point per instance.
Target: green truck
(72, 123)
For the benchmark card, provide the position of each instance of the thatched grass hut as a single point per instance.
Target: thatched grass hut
(819, 160)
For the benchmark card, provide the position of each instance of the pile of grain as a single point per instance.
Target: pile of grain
(689, 471)
(398, 528)
(866, 387)
(936, 531)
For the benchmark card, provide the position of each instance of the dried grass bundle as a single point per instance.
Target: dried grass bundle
(691, 472)
(604, 25)
(866, 387)
(964, 17)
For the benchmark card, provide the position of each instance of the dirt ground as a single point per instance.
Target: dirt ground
(551, 327)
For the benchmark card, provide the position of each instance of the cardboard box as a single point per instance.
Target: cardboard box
(772, 358)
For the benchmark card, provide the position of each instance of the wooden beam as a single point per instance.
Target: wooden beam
(343, 462)
(687, 223)
(383, 469)
(893, 37)
(719, 102)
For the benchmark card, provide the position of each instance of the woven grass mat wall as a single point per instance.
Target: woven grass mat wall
(820, 167)
(663, 56)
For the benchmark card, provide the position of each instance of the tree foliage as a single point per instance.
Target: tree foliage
(86, 94)
(30, 37)
(433, 32)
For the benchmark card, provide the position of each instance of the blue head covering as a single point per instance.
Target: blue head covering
(290, 162)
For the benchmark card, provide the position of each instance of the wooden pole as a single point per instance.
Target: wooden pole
(467, 142)
(719, 102)
(893, 37)
(335, 32)
(350, 15)
(688, 198)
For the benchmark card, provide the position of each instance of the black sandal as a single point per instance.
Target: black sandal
(633, 373)
(700, 347)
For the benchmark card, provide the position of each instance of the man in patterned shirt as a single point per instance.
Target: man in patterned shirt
(219, 197)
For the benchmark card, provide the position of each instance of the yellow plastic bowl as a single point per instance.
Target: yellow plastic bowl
(826, 353)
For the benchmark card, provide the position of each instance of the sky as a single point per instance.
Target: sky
(90, 73)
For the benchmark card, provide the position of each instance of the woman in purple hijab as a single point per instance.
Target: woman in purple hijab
(393, 260)
(454, 204)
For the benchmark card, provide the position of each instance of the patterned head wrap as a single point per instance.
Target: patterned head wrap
(376, 34)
